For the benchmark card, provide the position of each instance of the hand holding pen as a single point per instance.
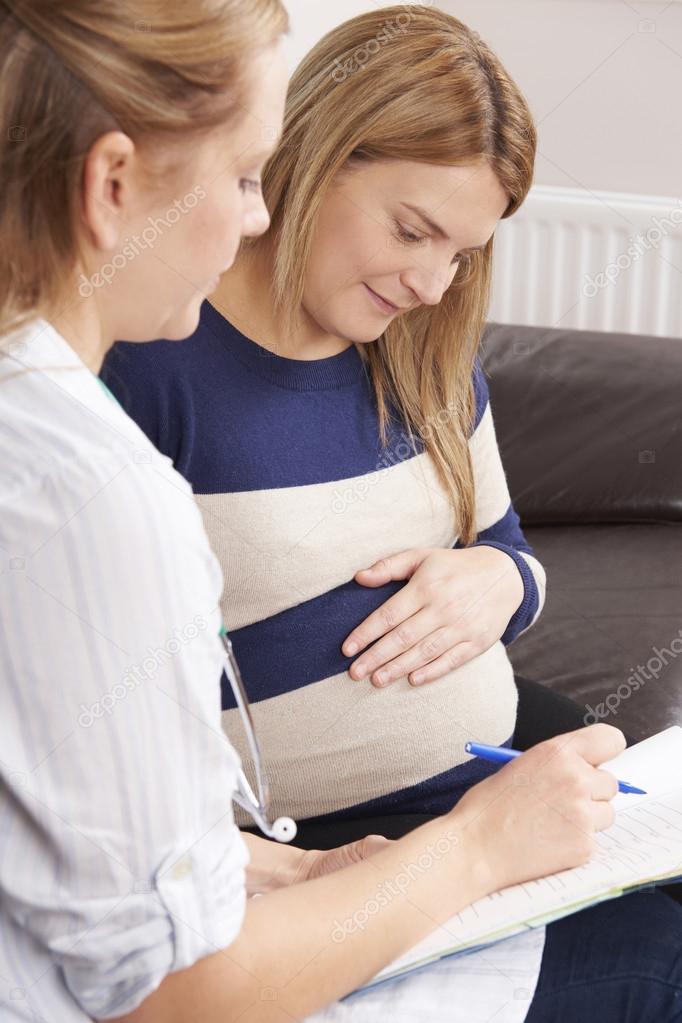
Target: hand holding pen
(502, 755)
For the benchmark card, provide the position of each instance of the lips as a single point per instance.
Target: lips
(388, 306)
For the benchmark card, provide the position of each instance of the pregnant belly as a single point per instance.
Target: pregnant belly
(330, 743)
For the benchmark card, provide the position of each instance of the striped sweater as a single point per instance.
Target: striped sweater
(298, 493)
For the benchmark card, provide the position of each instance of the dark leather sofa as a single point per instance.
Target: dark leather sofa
(590, 430)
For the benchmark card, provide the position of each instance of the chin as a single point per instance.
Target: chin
(183, 323)
(357, 332)
(366, 335)
(367, 338)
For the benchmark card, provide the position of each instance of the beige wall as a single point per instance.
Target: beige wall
(603, 77)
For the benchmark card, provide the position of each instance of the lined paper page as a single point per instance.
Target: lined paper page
(654, 764)
(643, 844)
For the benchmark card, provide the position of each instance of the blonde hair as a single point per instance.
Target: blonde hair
(71, 70)
(404, 82)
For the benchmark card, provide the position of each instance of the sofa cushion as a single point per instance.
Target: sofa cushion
(589, 424)
(614, 607)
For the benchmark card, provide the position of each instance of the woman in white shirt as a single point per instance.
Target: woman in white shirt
(135, 135)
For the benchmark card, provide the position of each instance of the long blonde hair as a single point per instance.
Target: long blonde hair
(71, 70)
(403, 82)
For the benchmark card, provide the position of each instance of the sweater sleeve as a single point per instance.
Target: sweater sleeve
(497, 524)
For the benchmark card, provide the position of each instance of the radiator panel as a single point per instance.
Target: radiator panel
(606, 261)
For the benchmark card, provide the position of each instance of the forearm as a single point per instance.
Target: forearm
(302, 948)
(497, 522)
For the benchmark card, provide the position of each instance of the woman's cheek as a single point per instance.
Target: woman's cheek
(217, 233)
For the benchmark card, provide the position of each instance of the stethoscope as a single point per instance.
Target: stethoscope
(284, 828)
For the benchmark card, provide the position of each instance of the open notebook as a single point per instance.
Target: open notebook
(642, 848)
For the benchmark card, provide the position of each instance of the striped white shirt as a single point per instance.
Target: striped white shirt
(119, 857)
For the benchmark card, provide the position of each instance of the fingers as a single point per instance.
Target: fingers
(361, 849)
(431, 658)
(603, 815)
(393, 614)
(407, 648)
(398, 566)
(596, 743)
(372, 844)
(604, 785)
(454, 658)
(398, 625)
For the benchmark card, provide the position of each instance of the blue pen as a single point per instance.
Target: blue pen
(502, 755)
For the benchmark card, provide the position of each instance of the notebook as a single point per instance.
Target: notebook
(642, 848)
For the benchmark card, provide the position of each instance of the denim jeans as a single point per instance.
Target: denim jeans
(618, 962)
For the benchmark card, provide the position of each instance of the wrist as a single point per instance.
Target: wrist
(272, 865)
(483, 869)
(291, 866)
(511, 573)
(447, 847)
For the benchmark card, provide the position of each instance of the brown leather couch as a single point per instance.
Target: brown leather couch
(590, 430)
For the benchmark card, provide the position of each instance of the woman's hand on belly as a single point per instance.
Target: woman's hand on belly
(456, 605)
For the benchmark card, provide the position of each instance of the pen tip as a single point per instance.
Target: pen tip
(627, 787)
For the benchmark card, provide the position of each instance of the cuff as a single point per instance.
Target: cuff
(523, 617)
(188, 912)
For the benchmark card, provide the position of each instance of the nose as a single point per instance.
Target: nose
(429, 284)
(256, 218)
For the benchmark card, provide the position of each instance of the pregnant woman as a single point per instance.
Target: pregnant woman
(332, 417)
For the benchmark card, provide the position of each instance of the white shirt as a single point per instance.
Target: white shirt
(119, 857)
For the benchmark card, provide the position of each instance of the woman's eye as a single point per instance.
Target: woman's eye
(249, 185)
(408, 236)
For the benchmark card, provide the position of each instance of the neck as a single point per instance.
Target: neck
(81, 328)
(244, 297)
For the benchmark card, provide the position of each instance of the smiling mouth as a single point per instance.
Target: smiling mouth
(383, 303)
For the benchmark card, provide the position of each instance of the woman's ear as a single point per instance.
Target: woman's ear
(108, 189)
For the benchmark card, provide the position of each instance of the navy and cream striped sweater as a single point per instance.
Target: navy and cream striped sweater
(297, 494)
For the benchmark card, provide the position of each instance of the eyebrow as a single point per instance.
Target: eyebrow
(436, 228)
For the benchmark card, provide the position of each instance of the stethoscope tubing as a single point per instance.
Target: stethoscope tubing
(256, 803)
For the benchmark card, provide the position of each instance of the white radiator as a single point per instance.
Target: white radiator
(598, 261)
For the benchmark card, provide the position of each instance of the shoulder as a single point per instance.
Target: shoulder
(123, 498)
(159, 365)
(74, 466)
(151, 366)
